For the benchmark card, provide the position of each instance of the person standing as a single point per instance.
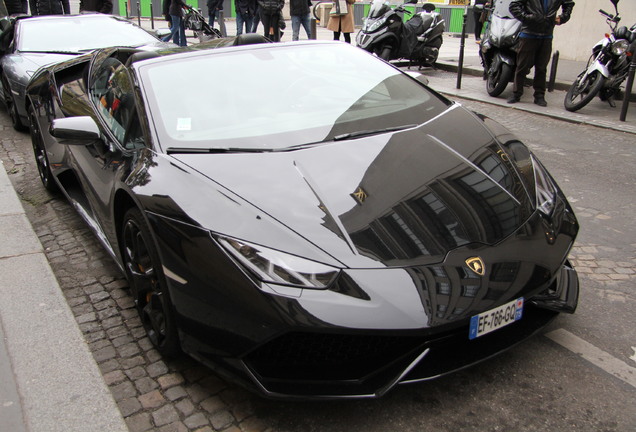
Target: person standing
(50, 7)
(270, 13)
(173, 13)
(538, 18)
(479, 15)
(101, 6)
(299, 11)
(245, 11)
(15, 7)
(214, 7)
(342, 23)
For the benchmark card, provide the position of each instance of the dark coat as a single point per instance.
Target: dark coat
(270, 7)
(245, 7)
(50, 7)
(537, 21)
(299, 7)
(102, 6)
(16, 6)
(214, 5)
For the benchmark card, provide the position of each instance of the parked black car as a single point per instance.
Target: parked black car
(315, 223)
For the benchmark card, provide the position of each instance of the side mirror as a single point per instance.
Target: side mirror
(419, 77)
(410, 2)
(75, 130)
(161, 33)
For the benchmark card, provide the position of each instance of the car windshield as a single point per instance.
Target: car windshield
(78, 33)
(280, 96)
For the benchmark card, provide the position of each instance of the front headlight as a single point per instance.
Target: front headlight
(545, 189)
(372, 25)
(619, 47)
(278, 267)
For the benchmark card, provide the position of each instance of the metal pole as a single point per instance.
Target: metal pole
(139, 14)
(461, 50)
(126, 7)
(630, 82)
(152, 17)
(313, 29)
(553, 70)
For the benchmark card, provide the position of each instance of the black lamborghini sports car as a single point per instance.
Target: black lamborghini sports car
(304, 217)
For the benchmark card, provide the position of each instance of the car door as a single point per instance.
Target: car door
(103, 164)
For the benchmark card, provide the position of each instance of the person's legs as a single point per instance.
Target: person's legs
(266, 20)
(239, 24)
(305, 21)
(347, 37)
(175, 29)
(295, 21)
(182, 36)
(525, 60)
(336, 35)
(542, 58)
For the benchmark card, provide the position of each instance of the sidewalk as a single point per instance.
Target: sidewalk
(472, 86)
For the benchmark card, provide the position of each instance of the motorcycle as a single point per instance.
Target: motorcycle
(385, 33)
(607, 67)
(498, 47)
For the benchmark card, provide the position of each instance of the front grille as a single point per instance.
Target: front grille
(330, 357)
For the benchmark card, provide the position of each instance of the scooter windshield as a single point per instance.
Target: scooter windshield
(379, 8)
(501, 8)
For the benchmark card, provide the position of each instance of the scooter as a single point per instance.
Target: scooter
(607, 67)
(497, 51)
(385, 33)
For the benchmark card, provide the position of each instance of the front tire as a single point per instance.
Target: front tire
(583, 90)
(496, 81)
(385, 53)
(148, 284)
(12, 109)
(41, 158)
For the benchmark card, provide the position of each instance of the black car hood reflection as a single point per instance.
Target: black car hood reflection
(403, 198)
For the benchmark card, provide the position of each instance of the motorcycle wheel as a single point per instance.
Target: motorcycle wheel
(582, 91)
(496, 82)
(385, 53)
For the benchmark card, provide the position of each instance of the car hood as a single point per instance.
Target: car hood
(30, 62)
(393, 199)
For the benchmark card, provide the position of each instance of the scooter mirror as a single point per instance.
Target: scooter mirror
(428, 7)
(410, 2)
(615, 3)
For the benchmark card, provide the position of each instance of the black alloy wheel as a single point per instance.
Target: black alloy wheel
(39, 151)
(583, 90)
(9, 103)
(147, 283)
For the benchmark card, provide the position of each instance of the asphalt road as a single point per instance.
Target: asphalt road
(581, 378)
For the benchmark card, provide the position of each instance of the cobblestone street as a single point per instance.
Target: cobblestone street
(157, 394)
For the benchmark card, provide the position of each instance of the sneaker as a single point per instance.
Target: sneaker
(540, 100)
(513, 99)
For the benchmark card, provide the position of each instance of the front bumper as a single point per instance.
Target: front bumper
(309, 365)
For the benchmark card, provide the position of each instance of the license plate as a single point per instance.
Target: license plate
(496, 318)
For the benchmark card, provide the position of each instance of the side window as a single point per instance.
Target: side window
(111, 91)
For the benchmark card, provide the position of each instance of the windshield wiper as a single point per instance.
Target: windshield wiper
(195, 150)
(363, 133)
(52, 52)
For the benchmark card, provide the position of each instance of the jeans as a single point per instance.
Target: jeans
(296, 21)
(243, 19)
(212, 16)
(177, 32)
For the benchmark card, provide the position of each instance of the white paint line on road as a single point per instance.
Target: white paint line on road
(594, 355)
